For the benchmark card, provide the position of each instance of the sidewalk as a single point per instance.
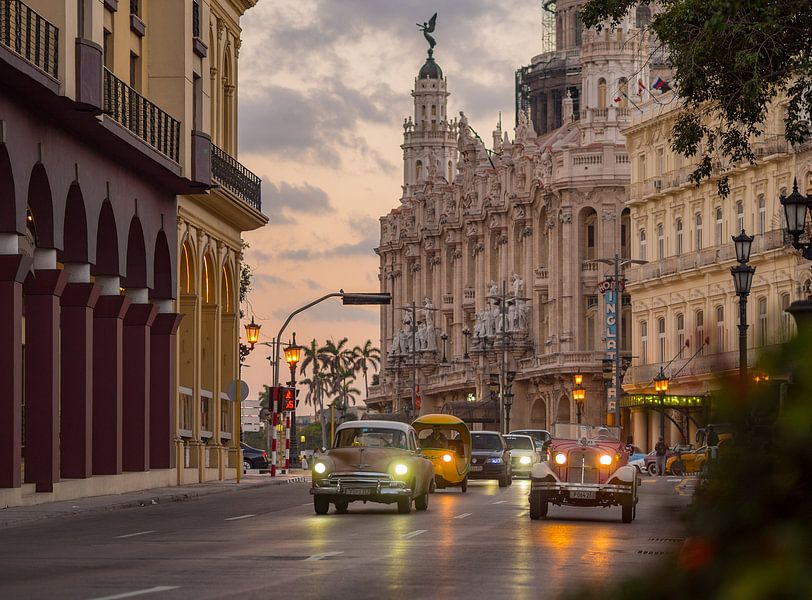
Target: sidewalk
(24, 515)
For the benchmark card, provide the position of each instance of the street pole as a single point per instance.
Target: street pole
(503, 367)
(743, 340)
(662, 415)
(410, 412)
(619, 338)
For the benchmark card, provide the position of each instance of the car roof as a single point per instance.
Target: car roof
(405, 428)
(519, 435)
(485, 433)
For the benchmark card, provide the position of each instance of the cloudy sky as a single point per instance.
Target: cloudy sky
(324, 88)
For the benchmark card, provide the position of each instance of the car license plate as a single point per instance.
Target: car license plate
(476, 468)
(358, 491)
(582, 495)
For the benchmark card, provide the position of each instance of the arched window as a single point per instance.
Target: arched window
(720, 328)
(661, 340)
(762, 215)
(699, 337)
(623, 92)
(418, 171)
(785, 317)
(643, 342)
(660, 241)
(762, 321)
(449, 172)
(680, 327)
(642, 244)
(229, 85)
(698, 221)
(579, 28)
(739, 217)
(643, 16)
(678, 236)
(601, 93)
(717, 230)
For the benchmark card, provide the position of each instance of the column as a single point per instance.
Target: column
(42, 292)
(136, 380)
(76, 372)
(640, 430)
(108, 325)
(163, 388)
(13, 270)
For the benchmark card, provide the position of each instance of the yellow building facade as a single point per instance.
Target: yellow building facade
(685, 312)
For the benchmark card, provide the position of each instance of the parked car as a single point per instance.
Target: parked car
(523, 453)
(589, 468)
(490, 458)
(541, 438)
(651, 458)
(372, 461)
(253, 458)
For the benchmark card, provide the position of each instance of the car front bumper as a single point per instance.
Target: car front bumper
(361, 487)
(583, 494)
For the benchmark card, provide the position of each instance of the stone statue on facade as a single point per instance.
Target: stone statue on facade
(524, 129)
(517, 284)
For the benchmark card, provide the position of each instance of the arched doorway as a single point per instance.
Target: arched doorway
(538, 415)
(563, 413)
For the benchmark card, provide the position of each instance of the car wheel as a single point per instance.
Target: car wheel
(503, 480)
(321, 504)
(342, 506)
(510, 477)
(652, 469)
(464, 484)
(246, 465)
(678, 468)
(538, 505)
(405, 506)
(627, 510)
(421, 502)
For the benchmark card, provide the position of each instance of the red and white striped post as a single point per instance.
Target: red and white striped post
(273, 445)
(287, 441)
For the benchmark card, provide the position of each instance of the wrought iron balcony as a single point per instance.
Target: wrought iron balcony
(25, 32)
(141, 117)
(232, 175)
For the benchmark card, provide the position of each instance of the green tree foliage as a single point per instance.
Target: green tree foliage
(246, 278)
(749, 529)
(731, 60)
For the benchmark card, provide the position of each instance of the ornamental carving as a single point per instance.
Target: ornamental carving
(477, 248)
(565, 217)
(456, 254)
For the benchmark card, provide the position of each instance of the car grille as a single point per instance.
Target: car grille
(583, 467)
(357, 480)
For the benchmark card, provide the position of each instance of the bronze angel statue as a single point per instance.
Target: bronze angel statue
(428, 28)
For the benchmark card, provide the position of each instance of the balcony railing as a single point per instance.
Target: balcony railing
(141, 117)
(25, 32)
(232, 175)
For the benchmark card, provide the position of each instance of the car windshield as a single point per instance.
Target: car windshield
(486, 442)
(518, 442)
(371, 437)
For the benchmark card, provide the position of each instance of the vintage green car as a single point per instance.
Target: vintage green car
(372, 461)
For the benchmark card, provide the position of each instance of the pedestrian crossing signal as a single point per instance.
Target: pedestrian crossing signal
(284, 399)
(290, 399)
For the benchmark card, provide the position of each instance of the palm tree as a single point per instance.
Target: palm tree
(336, 356)
(317, 384)
(342, 387)
(366, 356)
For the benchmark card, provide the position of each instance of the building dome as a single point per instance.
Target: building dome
(430, 70)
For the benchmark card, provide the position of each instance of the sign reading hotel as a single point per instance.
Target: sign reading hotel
(610, 320)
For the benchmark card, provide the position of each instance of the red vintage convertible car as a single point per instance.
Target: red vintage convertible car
(587, 467)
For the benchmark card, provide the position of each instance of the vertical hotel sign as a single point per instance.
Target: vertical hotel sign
(610, 320)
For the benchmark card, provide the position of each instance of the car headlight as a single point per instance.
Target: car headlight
(560, 458)
(319, 468)
(606, 459)
(446, 458)
(525, 460)
(400, 469)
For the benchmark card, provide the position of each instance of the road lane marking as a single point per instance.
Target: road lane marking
(649, 480)
(499, 502)
(324, 555)
(152, 590)
(674, 480)
(463, 515)
(240, 517)
(129, 535)
(414, 533)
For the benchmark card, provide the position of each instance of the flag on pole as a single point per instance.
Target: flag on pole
(641, 87)
(661, 85)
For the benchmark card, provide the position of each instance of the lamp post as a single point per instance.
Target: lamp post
(465, 333)
(661, 387)
(796, 206)
(252, 337)
(293, 354)
(508, 400)
(444, 337)
(578, 395)
(742, 280)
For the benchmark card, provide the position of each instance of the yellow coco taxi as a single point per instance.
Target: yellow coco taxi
(446, 442)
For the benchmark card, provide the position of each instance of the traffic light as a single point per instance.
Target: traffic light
(284, 398)
(289, 396)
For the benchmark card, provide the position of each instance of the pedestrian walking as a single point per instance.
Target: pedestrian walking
(661, 452)
(713, 442)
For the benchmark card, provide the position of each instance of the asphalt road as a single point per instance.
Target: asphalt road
(267, 542)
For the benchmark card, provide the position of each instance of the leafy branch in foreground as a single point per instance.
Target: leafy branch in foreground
(732, 60)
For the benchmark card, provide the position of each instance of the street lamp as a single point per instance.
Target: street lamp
(795, 209)
(252, 332)
(508, 400)
(742, 280)
(661, 387)
(578, 395)
(444, 337)
(293, 354)
(465, 333)
(252, 336)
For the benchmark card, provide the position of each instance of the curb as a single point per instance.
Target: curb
(204, 489)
